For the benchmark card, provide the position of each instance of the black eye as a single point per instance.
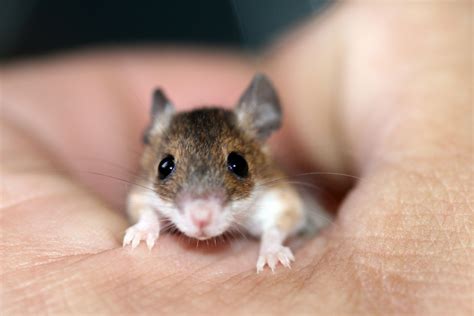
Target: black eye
(237, 164)
(165, 167)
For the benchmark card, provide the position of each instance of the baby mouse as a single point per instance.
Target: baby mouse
(208, 171)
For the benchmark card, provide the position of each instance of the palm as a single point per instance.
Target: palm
(68, 121)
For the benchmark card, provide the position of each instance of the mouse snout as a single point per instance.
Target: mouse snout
(201, 218)
(201, 213)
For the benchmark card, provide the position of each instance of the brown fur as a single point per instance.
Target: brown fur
(293, 212)
(200, 142)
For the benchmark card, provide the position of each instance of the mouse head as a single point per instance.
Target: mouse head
(205, 165)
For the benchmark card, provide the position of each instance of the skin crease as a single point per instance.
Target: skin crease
(383, 91)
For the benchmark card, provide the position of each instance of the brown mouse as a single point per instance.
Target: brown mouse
(209, 171)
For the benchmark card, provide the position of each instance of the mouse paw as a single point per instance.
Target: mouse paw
(140, 231)
(271, 257)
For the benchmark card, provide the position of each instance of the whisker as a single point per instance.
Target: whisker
(236, 229)
(310, 174)
(327, 173)
(305, 184)
(130, 172)
(119, 179)
(107, 162)
(289, 179)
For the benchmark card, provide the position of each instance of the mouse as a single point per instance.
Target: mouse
(209, 171)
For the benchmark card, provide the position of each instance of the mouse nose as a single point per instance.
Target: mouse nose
(201, 219)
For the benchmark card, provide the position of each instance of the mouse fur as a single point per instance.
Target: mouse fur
(200, 192)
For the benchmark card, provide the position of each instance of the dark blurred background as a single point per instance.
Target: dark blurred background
(35, 27)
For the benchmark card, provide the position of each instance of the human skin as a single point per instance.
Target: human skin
(380, 91)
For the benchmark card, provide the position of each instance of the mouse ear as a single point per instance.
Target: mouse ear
(160, 103)
(161, 112)
(259, 109)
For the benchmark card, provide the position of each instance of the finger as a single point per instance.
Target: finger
(44, 210)
(400, 118)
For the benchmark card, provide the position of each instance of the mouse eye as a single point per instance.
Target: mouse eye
(237, 165)
(165, 167)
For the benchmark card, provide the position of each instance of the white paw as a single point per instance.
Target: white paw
(141, 231)
(271, 257)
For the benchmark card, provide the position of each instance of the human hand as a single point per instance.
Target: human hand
(375, 106)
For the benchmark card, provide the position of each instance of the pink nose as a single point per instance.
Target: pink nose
(201, 222)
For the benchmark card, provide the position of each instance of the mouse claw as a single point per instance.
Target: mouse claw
(286, 257)
(150, 241)
(127, 239)
(260, 264)
(139, 232)
(272, 257)
(136, 241)
(271, 262)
